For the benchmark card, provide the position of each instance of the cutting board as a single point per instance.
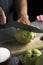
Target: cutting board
(7, 40)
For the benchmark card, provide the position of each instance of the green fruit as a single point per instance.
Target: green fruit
(23, 36)
(29, 57)
(40, 60)
(36, 52)
(24, 58)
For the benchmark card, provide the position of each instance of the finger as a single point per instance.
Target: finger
(24, 21)
(3, 17)
(0, 9)
(38, 18)
(41, 18)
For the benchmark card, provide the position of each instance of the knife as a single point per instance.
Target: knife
(15, 24)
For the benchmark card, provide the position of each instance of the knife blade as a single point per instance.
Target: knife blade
(15, 24)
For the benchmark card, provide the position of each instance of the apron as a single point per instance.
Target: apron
(7, 7)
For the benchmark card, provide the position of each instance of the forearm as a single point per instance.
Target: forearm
(22, 11)
(21, 7)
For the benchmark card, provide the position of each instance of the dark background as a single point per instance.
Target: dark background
(35, 7)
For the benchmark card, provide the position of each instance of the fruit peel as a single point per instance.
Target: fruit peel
(23, 36)
(28, 58)
(40, 60)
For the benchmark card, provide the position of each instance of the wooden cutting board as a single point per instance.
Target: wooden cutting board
(7, 40)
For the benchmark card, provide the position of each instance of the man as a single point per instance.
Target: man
(17, 6)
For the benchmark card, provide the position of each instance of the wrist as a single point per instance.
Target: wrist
(23, 16)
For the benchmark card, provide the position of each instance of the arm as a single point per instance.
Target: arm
(21, 10)
(21, 7)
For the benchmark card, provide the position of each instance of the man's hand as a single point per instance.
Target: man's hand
(39, 18)
(2, 17)
(24, 19)
(21, 11)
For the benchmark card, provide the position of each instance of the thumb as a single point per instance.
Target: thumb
(2, 16)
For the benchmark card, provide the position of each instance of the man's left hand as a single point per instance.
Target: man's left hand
(2, 17)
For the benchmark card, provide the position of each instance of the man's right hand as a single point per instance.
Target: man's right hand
(2, 17)
(24, 19)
